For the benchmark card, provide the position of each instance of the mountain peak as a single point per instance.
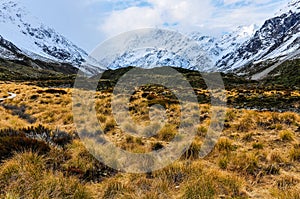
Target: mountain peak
(35, 38)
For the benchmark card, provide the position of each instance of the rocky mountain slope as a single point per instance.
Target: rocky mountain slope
(8, 50)
(278, 38)
(34, 40)
(203, 51)
(245, 50)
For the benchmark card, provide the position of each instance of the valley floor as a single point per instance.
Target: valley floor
(41, 156)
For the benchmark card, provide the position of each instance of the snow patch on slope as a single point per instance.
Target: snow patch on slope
(39, 41)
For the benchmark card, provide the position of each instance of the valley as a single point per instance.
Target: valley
(46, 152)
(256, 156)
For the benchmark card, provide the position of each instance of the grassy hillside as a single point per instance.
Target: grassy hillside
(257, 156)
(287, 74)
(41, 155)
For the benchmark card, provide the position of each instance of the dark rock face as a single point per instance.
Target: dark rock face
(46, 42)
(10, 48)
(273, 34)
(8, 45)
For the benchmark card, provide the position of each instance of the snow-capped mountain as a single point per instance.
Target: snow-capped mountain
(149, 48)
(218, 47)
(22, 35)
(278, 38)
(36, 40)
(197, 49)
(8, 50)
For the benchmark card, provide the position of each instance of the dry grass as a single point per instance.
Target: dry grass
(26, 176)
(286, 135)
(257, 155)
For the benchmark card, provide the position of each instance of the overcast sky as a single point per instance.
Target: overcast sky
(89, 22)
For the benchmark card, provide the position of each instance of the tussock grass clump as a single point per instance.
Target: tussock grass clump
(202, 131)
(167, 133)
(83, 164)
(25, 176)
(288, 118)
(9, 120)
(231, 115)
(258, 145)
(116, 189)
(294, 154)
(278, 127)
(212, 184)
(276, 156)
(246, 163)
(175, 174)
(286, 135)
(109, 125)
(193, 151)
(223, 162)
(292, 193)
(134, 144)
(247, 122)
(272, 170)
(248, 137)
(286, 182)
(225, 144)
(287, 187)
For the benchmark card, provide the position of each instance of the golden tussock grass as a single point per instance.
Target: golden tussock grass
(258, 153)
(26, 176)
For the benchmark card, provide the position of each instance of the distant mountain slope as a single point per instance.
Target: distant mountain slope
(32, 36)
(36, 40)
(203, 52)
(218, 47)
(8, 50)
(278, 38)
(247, 50)
(286, 74)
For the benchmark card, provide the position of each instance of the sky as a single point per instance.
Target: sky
(87, 23)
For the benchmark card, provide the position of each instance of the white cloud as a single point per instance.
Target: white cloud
(226, 2)
(129, 19)
(255, 13)
(180, 13)
(230, 1)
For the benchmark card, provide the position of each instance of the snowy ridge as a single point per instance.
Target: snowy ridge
(37, 40)
(24, 35)
(150, 48)
(276, 39)
(214, 49)
(28, 33)
(8, 50)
